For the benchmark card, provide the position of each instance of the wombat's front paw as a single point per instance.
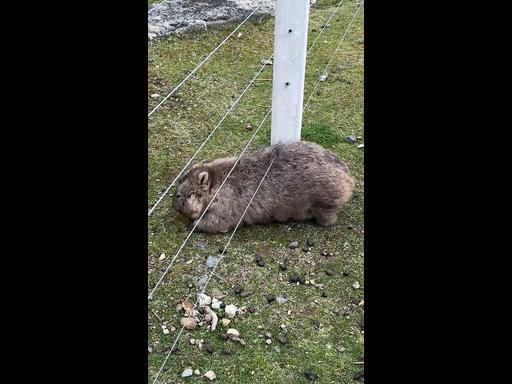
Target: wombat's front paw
(189, 226)
(199, 228)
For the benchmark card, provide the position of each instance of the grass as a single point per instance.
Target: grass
(315, 332)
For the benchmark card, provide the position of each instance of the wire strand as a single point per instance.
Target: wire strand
(204, 61)
(159, 200)
(207, 138)
(333, 55)
(215, 267)
(231, 170)
(245, 211)
(208, 206)
(323, 29)
(157, 6)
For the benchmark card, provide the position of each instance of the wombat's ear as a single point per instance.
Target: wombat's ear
(203, 177)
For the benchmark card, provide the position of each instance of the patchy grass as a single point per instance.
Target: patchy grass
(316, 327)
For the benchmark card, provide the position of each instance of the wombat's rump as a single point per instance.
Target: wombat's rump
(305, 182)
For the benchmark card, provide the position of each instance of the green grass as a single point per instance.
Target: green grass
(315, 332)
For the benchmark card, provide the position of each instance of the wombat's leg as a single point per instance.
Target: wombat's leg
(324, 216)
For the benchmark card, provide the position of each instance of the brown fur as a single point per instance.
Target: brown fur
(305, 182)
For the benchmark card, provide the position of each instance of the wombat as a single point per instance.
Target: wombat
(305, 182)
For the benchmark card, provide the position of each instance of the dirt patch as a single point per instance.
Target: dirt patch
(188, 15)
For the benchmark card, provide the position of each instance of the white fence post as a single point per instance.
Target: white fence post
(290, 45)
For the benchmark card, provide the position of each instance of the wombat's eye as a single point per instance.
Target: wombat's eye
(178, 195)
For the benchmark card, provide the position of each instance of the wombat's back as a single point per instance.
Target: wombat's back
(305, 181)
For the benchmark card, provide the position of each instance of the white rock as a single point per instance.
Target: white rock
(187, 372)
(283, 326)
(356, 285)
(155, 95)
(215, 318)
(210, 375)
(241, 341)
(360, 146)
(266, 62)
(230, 310)
(203, 299)
(192, 341)
(162, 256)
(197, 372)
(268, 341)
(166, 331)
(323, 77)
(216, 303)
(232, 332)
